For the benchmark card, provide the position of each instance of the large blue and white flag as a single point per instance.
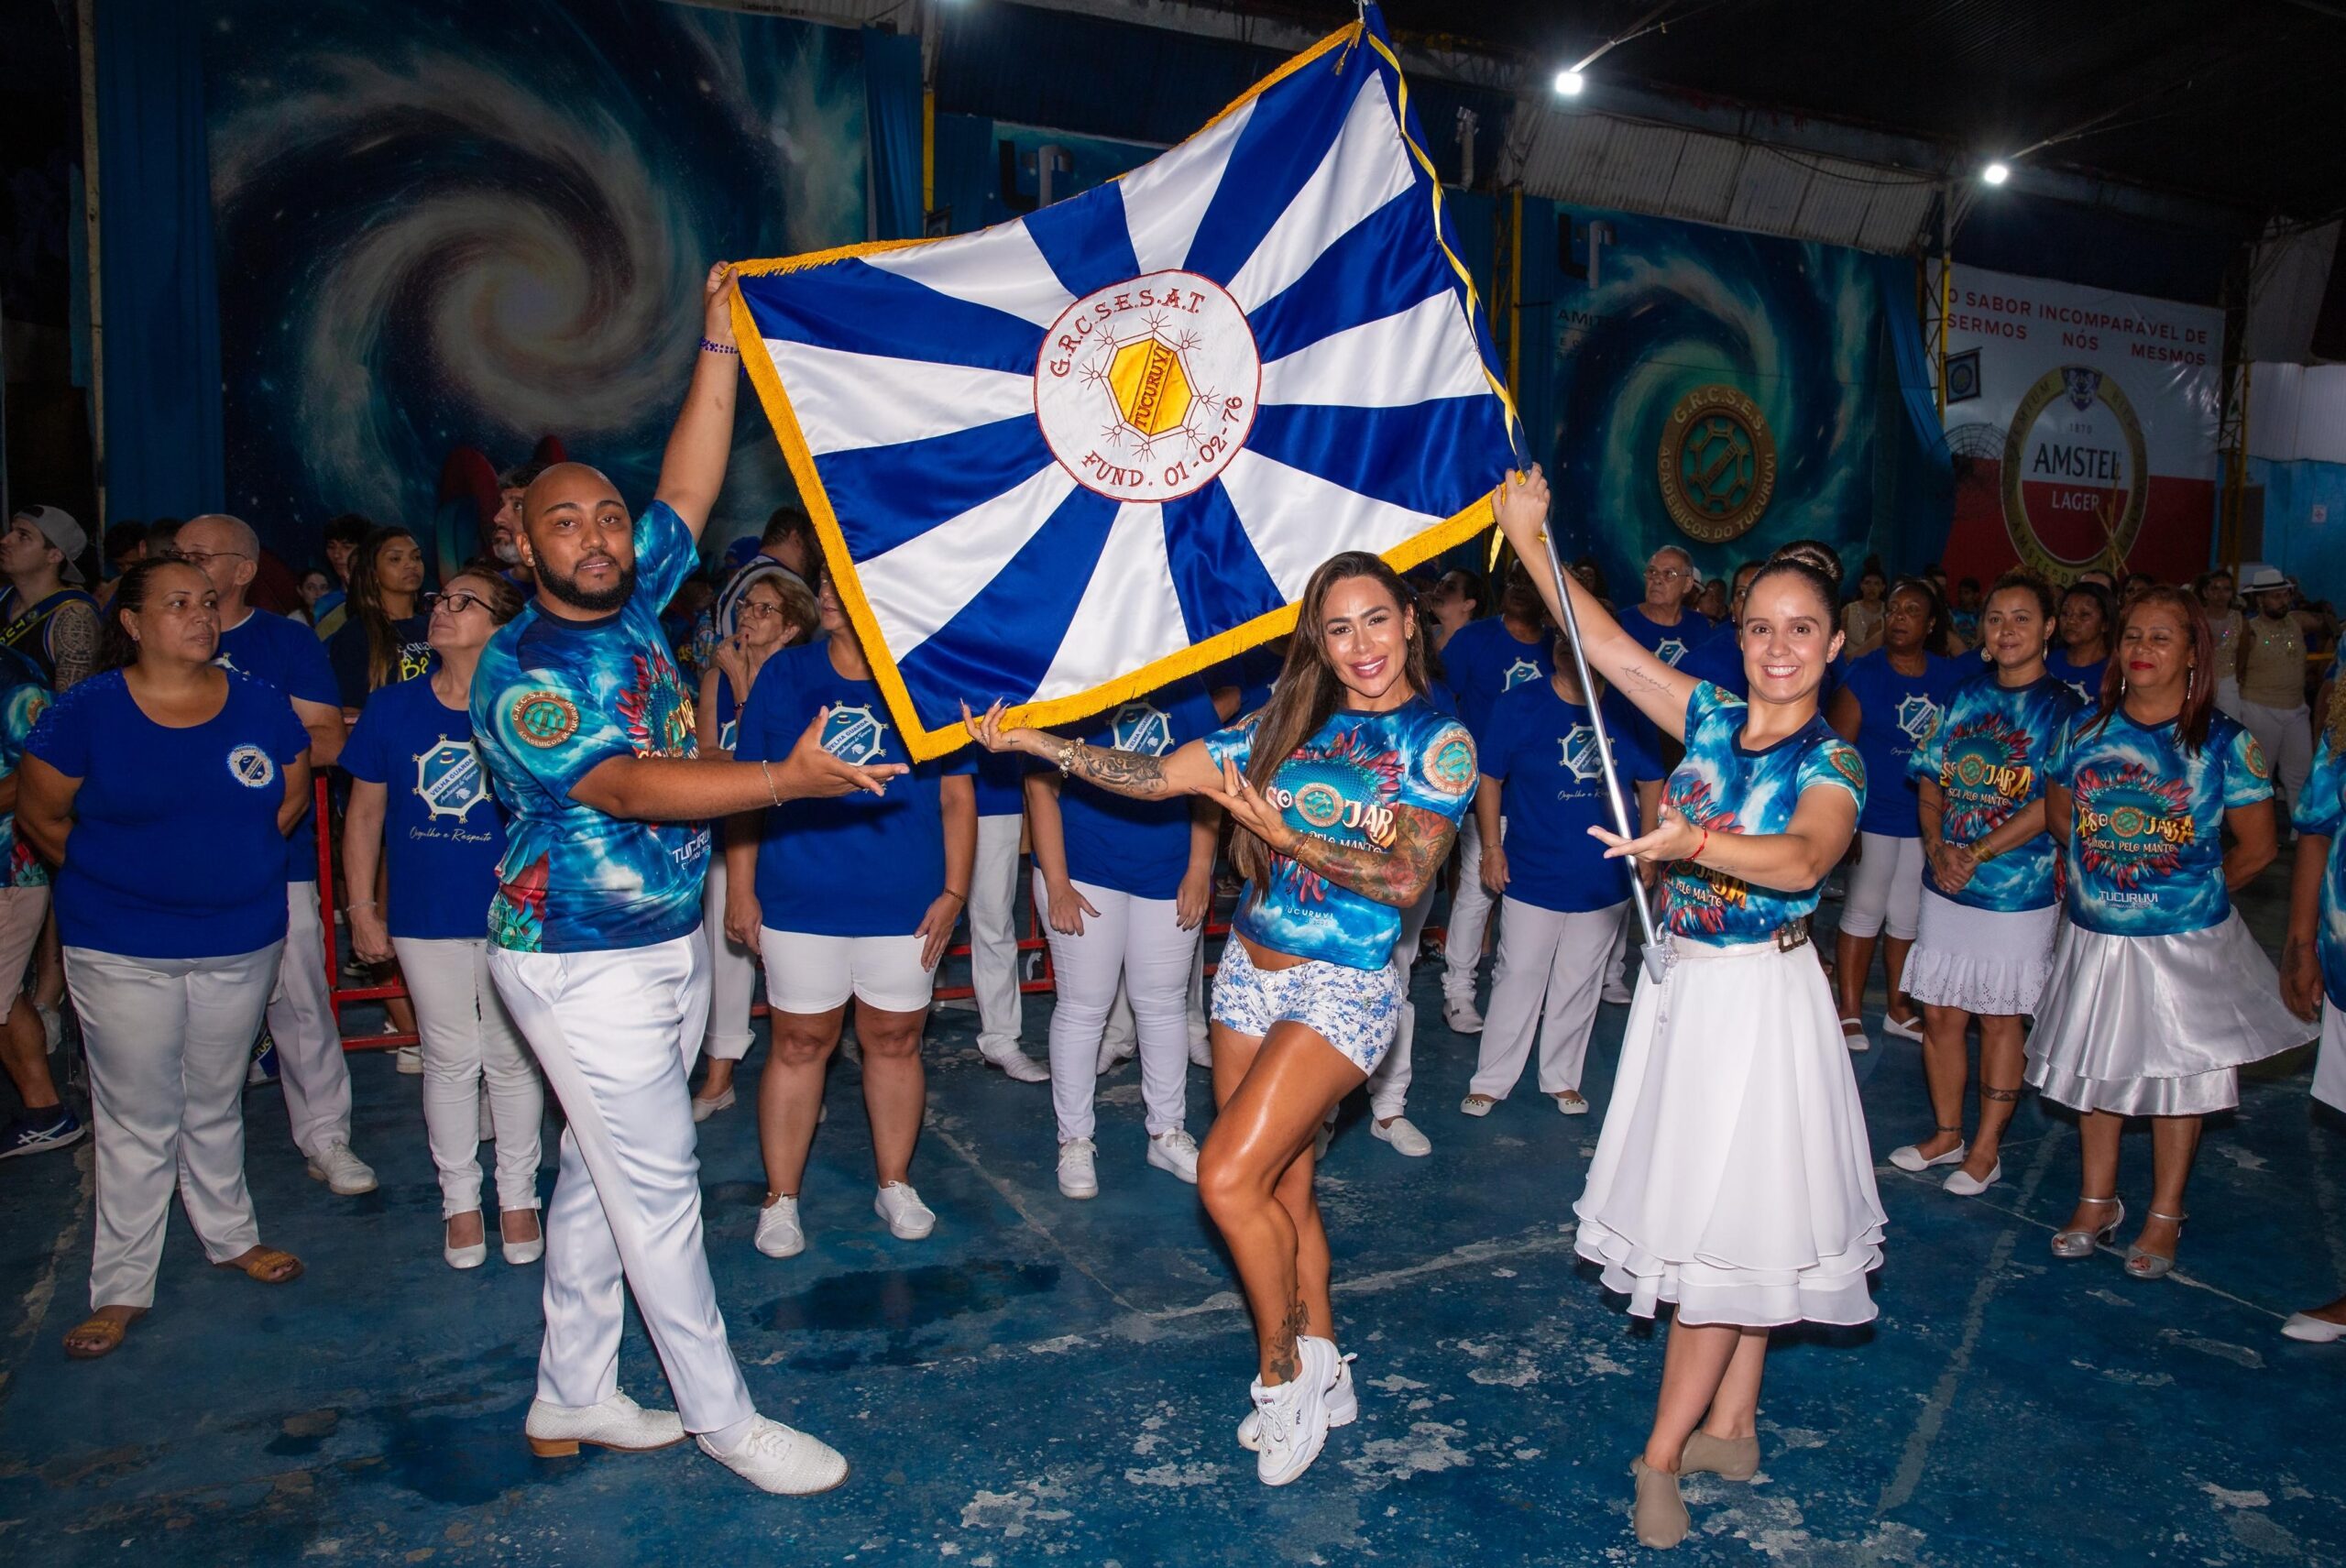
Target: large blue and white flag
(1066, 459)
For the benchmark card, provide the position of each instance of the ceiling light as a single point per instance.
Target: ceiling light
(1569, 83)
(1997, 172)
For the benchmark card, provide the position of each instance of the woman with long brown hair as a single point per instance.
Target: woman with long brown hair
(1346, 788)
(2158, 994)
(388, 636)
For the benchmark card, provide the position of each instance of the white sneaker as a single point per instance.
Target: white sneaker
(1114, 1051)
(1201, 1050)
(1616, 994)
(909, 1219)
(1079, 1168)
(704, 1109)
(1175, 1151)
(781, 1460)
(618, 1422)
(1403, 1134)
(409, 1059)
(1462, 1016)
(1343, 1401)
(1020, 1067)
(52, 1026)
(1291, 1421)
(343, 1172)
(779, 1233)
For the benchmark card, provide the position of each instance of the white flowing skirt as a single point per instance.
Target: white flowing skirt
(1734, 1177)
(1991, 963)
(2158, 1025)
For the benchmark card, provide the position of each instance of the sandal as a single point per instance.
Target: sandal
(2074, 1244)
(96, 1336)
(266, 1264)
(2146, 1265)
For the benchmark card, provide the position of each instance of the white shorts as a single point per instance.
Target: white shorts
(1885, 888)
(807, 973)
(22, 910)
(1355, 1010)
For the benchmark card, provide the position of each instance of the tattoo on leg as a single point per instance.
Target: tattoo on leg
(1286, 1360)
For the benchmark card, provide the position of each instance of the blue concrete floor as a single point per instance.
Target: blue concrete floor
(1047, 1381)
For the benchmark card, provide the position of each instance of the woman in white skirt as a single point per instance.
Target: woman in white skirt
(2313, 965)
(1562, 900)
(2159, 994)
(1733, 1177)
(1127, 886)
(1984, 941)
(1889, 701)
(773, 612)
(414, 769)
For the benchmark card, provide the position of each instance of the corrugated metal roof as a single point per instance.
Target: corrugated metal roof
(1602, 160)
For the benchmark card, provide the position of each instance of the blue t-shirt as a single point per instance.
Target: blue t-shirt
(442, 835)
(350, 656)
(729, 713)
(1989, 754)
(2083, 679)
(1895, 713)
(281, 652)
(553, 700)
(23, 700)
(859, 865)
(1545, 749)
(1724, 786)
(175, 852)
(2320, 808)
(1483, 659)
(1001, 784)
(1136, 846)
(2146, 841)
(1668, 644)
(1342, 784)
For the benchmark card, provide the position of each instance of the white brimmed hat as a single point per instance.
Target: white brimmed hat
(2256, 577)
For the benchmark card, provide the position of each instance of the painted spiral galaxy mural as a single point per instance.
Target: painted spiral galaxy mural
(443, 225)
(1729, 392)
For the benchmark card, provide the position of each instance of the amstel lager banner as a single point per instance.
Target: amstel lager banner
(2082, 425)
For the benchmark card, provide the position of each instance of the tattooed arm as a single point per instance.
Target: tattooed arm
(1398, 875)
(73, 644)
(1190, 770)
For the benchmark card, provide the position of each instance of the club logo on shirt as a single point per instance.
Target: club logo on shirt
(449, 780)
(1143, 727)
(1847, 763)
(854, 735)
(1320, 803)
(1522, 670)
(2132, 825)
(1449, 766)
(1670, 650)
(1917, 716)
(544, 719)
(252, 767)
(2258, 768)
(1580, 756)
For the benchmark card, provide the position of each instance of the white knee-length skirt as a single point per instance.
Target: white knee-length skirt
(1734, 1176)
(1991, 963)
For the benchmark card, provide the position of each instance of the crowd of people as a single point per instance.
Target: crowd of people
(591, 797)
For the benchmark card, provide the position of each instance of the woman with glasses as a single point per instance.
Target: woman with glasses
(414, 769)
(774, 613)
(388, 635)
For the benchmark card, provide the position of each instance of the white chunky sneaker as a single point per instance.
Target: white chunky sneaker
(1113, 1051)
(1020, 1067)
(618, 1422)
(1079, 1168)
(343, 1172)
(781, 1460)
(1343, 1406)
(1175, 1151)
(1201, 1050)
(909, 1219)
(1463, 1016)
(779, 1233)
(1403, 1134)
(1291, 1421)
(409, 1059)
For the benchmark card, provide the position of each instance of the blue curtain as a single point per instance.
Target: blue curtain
(892, 95)
(161, 307)
(1914, 480)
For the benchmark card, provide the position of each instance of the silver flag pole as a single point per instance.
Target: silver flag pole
(1613, 791)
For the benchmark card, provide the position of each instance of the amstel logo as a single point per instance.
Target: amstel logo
(1717, 466)
(1146, 390)
(2076, 474)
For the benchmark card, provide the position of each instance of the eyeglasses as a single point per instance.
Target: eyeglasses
(759, 609)
(200, 558)
(455, 603)
(1668, 572)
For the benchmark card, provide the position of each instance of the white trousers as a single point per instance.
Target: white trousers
(1470, 916)
(1139, 941)
(616, 1032)
(2287, 735)
(993, 934)
(732, 975)
(167, 1041)
(1551, 972)
(469, 1039)
(310, 1067)
(1122, 1034)
(1885, 889)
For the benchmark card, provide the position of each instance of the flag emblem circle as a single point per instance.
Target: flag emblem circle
(253, 768)
(544, 719)
(1320, 803)
(1146, 390)
(1449, 766)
